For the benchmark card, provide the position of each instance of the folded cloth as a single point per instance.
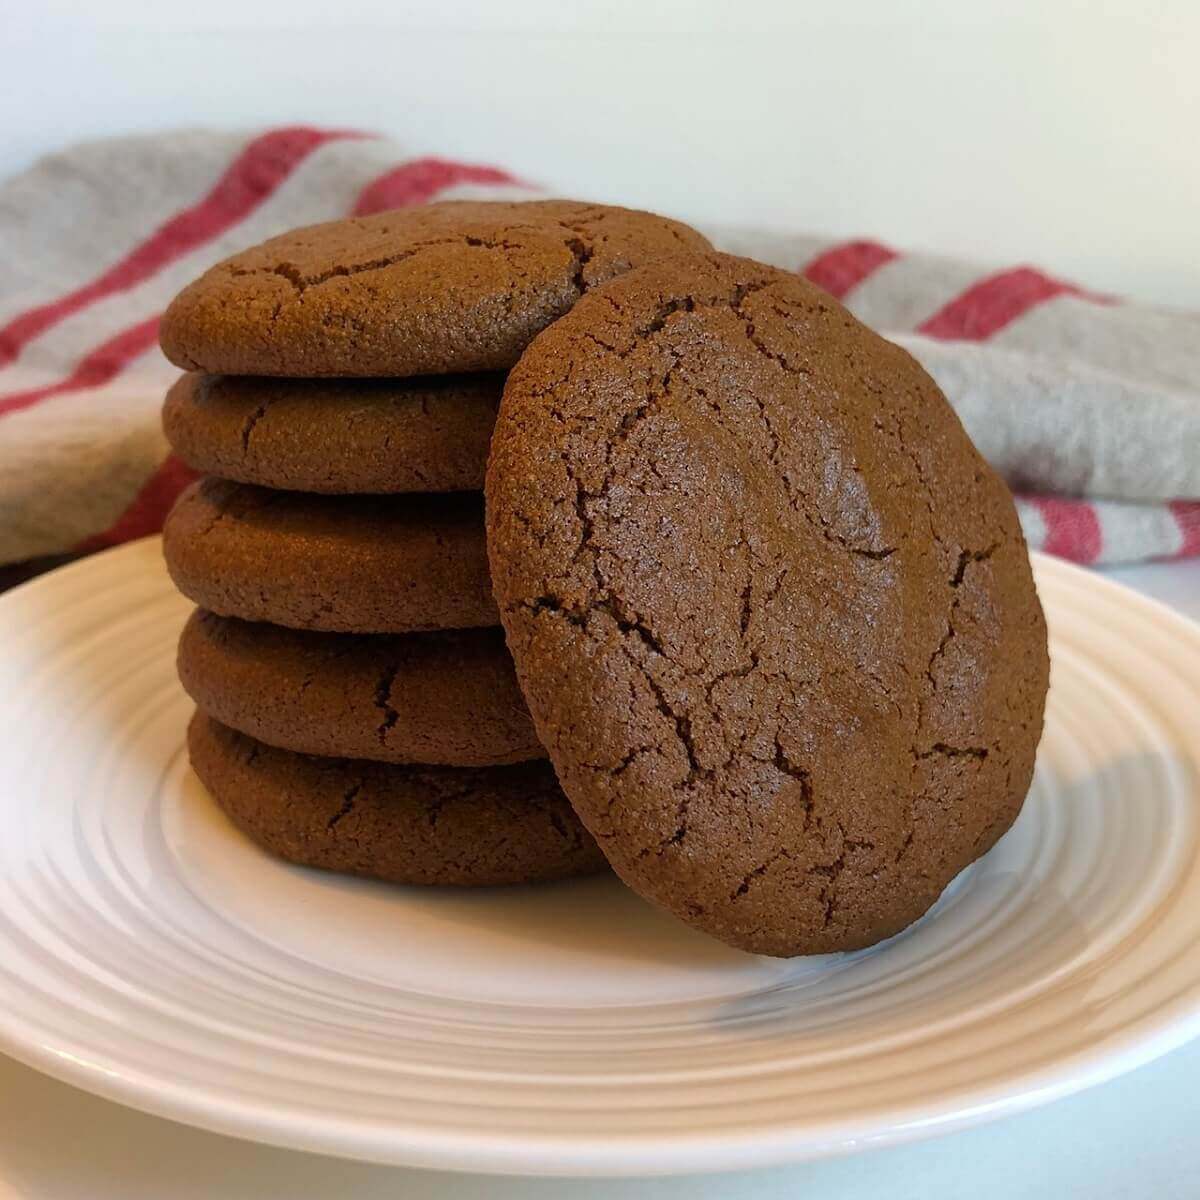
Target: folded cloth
(1088, 406)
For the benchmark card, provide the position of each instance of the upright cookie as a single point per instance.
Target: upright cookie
(772, 613)
(342, 564)
(463, 826)
(311, 435)
(445, 698)
(458, 286)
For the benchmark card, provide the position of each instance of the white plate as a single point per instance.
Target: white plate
(149, 954)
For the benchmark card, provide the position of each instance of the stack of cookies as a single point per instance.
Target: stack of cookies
(770, 615)
(357, 707)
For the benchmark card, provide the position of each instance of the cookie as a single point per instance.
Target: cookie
(457, 286)
(308, 435)
(445, 698)
(463, 826)
(342, 564)
(772, 613)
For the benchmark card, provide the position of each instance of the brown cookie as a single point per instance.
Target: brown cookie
(772, 613)
(464, 826)
(309, 435)
(458, 286)
(446, 698)
(343, 564)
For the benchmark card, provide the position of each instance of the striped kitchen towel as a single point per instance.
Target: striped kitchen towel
(1088, 406)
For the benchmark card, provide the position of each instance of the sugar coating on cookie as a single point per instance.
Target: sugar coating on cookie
(455, 286)
(433, 826)
(772, 613)
(349, 564)
(336, 436)
(445, 698)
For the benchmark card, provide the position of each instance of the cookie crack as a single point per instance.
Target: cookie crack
(750, 876)
(529, 526)
(608, 347)
(828, 900)
(571, 834)
(832, 874)
(804, 507)
(897, 434)
(733, 673)
(941, 749)
(434, 810)
(630, 625)
(752, 336)
(552, 604)
(251, 421)
(683, 729)
(784, 764)
(301, 283)
(559, 826)
(747, 606)
(581, 252)
(586, 526)
(383, 697)
(677, 837)
(946, 639)
(665, 311)
(347, 806)
(967, 557)
(612, 606)
(623, 764)
(285, 271)
(220, 515)
(680, 723)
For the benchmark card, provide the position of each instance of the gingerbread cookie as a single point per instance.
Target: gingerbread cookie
(446, 698)
(348, 435)
(462, 826)
(457, 286)
(772, 613)
(356, 564)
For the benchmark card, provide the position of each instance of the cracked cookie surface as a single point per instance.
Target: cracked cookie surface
(446, 698)
(459, 826)
(367, 435)
(455, 286)
(772, 613)
(345, 564)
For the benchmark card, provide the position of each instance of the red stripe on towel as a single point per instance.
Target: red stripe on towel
(147, 510)
(1072, 528)
(95, 369)
(840, 269)
(1187, 517)
(254, 175)
(988, 306)
(420, 180)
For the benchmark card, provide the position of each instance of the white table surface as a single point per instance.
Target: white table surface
(1134, 1138)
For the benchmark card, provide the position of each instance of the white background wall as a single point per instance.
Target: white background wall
(1061, 132)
